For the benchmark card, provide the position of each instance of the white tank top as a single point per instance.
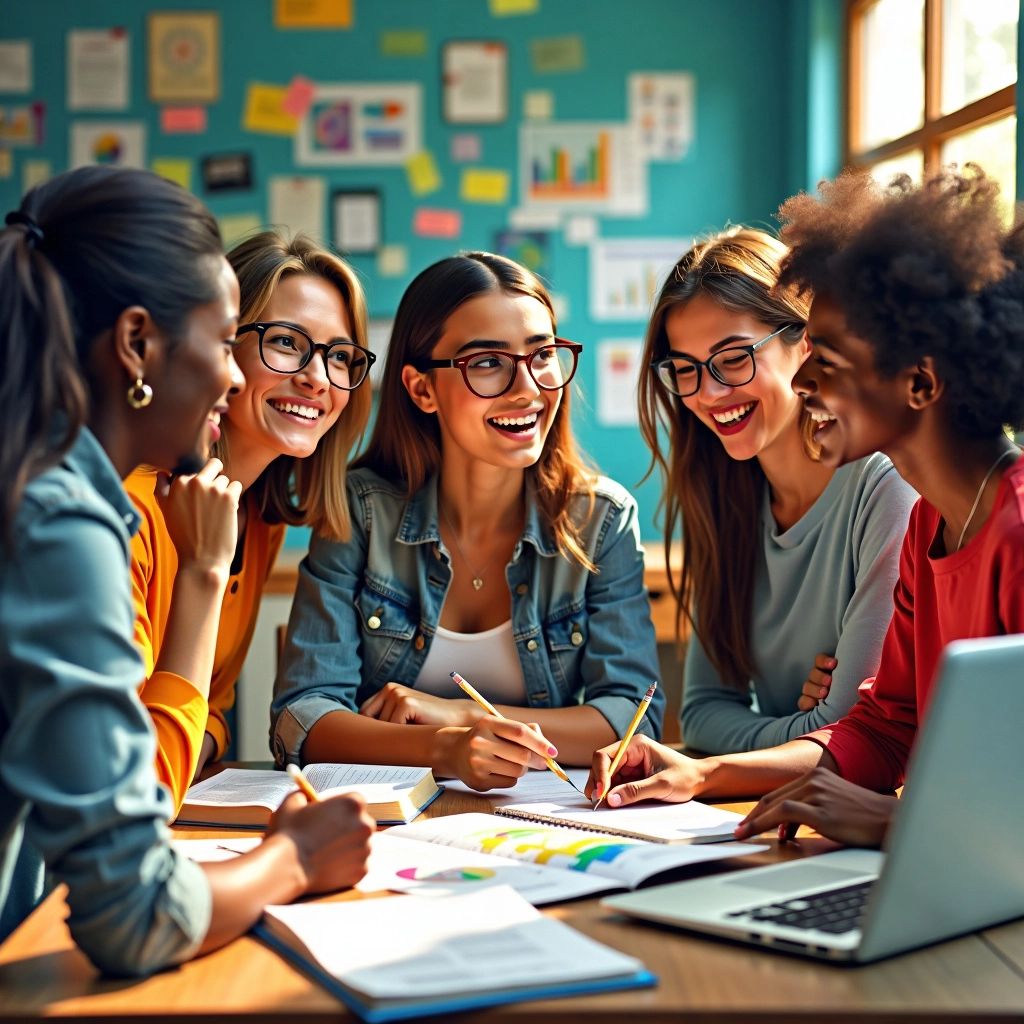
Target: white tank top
(488, 660)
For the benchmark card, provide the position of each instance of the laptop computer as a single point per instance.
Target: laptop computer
(953, 858)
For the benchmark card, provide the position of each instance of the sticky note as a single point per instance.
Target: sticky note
(465, 147)
(176, 170)
(183, 120)
(35, 172)
(403, 43)
(480, 186)
(312, 13)
(264, 111)
(557, 53)
(581, 230)
(508, 8)
(538, 105)
(235, 226)
(392, 260)
(423, 174)
(6, 163)
(437, 223)
(298, 96)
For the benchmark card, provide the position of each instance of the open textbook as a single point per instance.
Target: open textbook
(246, 798)
(401, 957)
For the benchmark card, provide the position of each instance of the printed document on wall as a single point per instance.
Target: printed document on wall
(627, 273)
(661, 106)
(98, 69)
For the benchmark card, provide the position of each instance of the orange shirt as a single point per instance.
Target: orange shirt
(180, 715)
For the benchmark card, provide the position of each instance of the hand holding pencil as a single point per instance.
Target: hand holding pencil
(641, 710)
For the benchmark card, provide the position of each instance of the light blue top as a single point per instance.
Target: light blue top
(823, 586)
(366, 611)
(78, 787)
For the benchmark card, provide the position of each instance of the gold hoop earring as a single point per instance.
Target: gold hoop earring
(140, 394)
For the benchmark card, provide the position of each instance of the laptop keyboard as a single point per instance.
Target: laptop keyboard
(836, 911)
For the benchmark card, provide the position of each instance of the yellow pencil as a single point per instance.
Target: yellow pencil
(471, 691)
(303, 783)
(645, 703)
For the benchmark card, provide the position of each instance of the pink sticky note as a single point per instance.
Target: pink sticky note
(465, 148)
(298, 97)
(183, 120)
(437, 223)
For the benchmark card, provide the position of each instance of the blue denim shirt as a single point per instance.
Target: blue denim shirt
(366, 611)
(78, 788)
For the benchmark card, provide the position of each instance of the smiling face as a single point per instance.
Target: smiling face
(751, 418)
(507, 431)
(288, 414)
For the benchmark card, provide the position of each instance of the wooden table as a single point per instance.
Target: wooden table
(976, 978)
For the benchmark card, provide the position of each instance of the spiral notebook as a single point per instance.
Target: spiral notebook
(692, 822)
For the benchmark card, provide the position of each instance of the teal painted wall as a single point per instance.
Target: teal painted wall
(767, 124)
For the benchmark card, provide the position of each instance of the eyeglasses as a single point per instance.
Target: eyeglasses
(734, 367)
(490, 374)
(285, 348)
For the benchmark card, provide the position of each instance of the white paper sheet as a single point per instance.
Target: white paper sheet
(98, 69)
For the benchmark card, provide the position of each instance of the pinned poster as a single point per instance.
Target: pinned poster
(392, 260)
(184, 57)
(236, 226)
(530, 248)
(15, 65)
(298, 96)
(361, 124)
(509, 8)
(403, 43)
(312, 13)
(474, 77)
(298, 204)
(183, 120)
(661, 106)
(437, 223)
(626, 274)
(557, 54)
(538, 105)
(465, 148)
(97, 64)
(265, 111)
(422, 173)
(355, 219)
(173, 169)
(114, 143)
(21, 125)
(35, 172)
(618, 374)
(227, 172)
(480, 186)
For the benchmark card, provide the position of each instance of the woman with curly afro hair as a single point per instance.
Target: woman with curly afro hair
(917, 328)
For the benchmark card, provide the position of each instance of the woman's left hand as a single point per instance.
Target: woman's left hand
(404, 706)
(833, 807)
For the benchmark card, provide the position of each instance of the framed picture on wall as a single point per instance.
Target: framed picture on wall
(184, 57)
(355, 220)
(474, 78)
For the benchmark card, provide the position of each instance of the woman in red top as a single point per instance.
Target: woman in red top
(917, 327)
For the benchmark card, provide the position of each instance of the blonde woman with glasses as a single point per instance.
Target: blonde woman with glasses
(208, 539)
(480, 543)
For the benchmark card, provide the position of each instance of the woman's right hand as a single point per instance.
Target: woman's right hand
(331, 836)
(201, 512)
(819, 682)
(648, 771)
(493, 753)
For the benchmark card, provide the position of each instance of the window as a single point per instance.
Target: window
(933, 82)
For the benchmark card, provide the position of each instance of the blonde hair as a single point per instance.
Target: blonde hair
(310, 491)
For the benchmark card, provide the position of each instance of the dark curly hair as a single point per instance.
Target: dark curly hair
(920, 271)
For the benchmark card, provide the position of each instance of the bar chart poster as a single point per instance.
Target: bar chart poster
(627, 273)
(575, 166)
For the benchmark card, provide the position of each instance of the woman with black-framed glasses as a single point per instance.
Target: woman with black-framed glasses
(481, 543)
(198, 565)
(788, 565)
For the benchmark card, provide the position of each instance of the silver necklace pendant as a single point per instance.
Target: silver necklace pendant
(477, 583)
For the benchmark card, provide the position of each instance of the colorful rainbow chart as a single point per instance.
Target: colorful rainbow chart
(447, 874)
(573, 172)
(541, 845)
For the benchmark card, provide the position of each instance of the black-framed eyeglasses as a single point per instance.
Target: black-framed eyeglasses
(286, 348)
(489, 374)
(733, 366)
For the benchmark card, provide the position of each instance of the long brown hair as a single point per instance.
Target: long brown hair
(405, 445)
(714, 499)
(82, 248)
(310, 491)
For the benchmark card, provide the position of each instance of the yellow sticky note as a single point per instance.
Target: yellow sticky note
(557, 54)
(312, 13)
(392, 260)
(479, 186)
(6, 163)
(179, 171)
(265, 112)
(506, 8)
(235, 226)
(403, 43)
(423, 173)
(35, 172)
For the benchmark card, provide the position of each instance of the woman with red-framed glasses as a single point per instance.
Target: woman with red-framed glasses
(483, 544)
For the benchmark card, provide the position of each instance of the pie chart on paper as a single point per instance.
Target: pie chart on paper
(446, 874)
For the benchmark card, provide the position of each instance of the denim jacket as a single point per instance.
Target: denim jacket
(366, 611)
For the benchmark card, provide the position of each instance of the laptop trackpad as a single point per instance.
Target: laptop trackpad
(792, 878)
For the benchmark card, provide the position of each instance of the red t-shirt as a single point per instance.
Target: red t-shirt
(975, 592)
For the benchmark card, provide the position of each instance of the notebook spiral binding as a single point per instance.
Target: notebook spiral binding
(576, 826)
